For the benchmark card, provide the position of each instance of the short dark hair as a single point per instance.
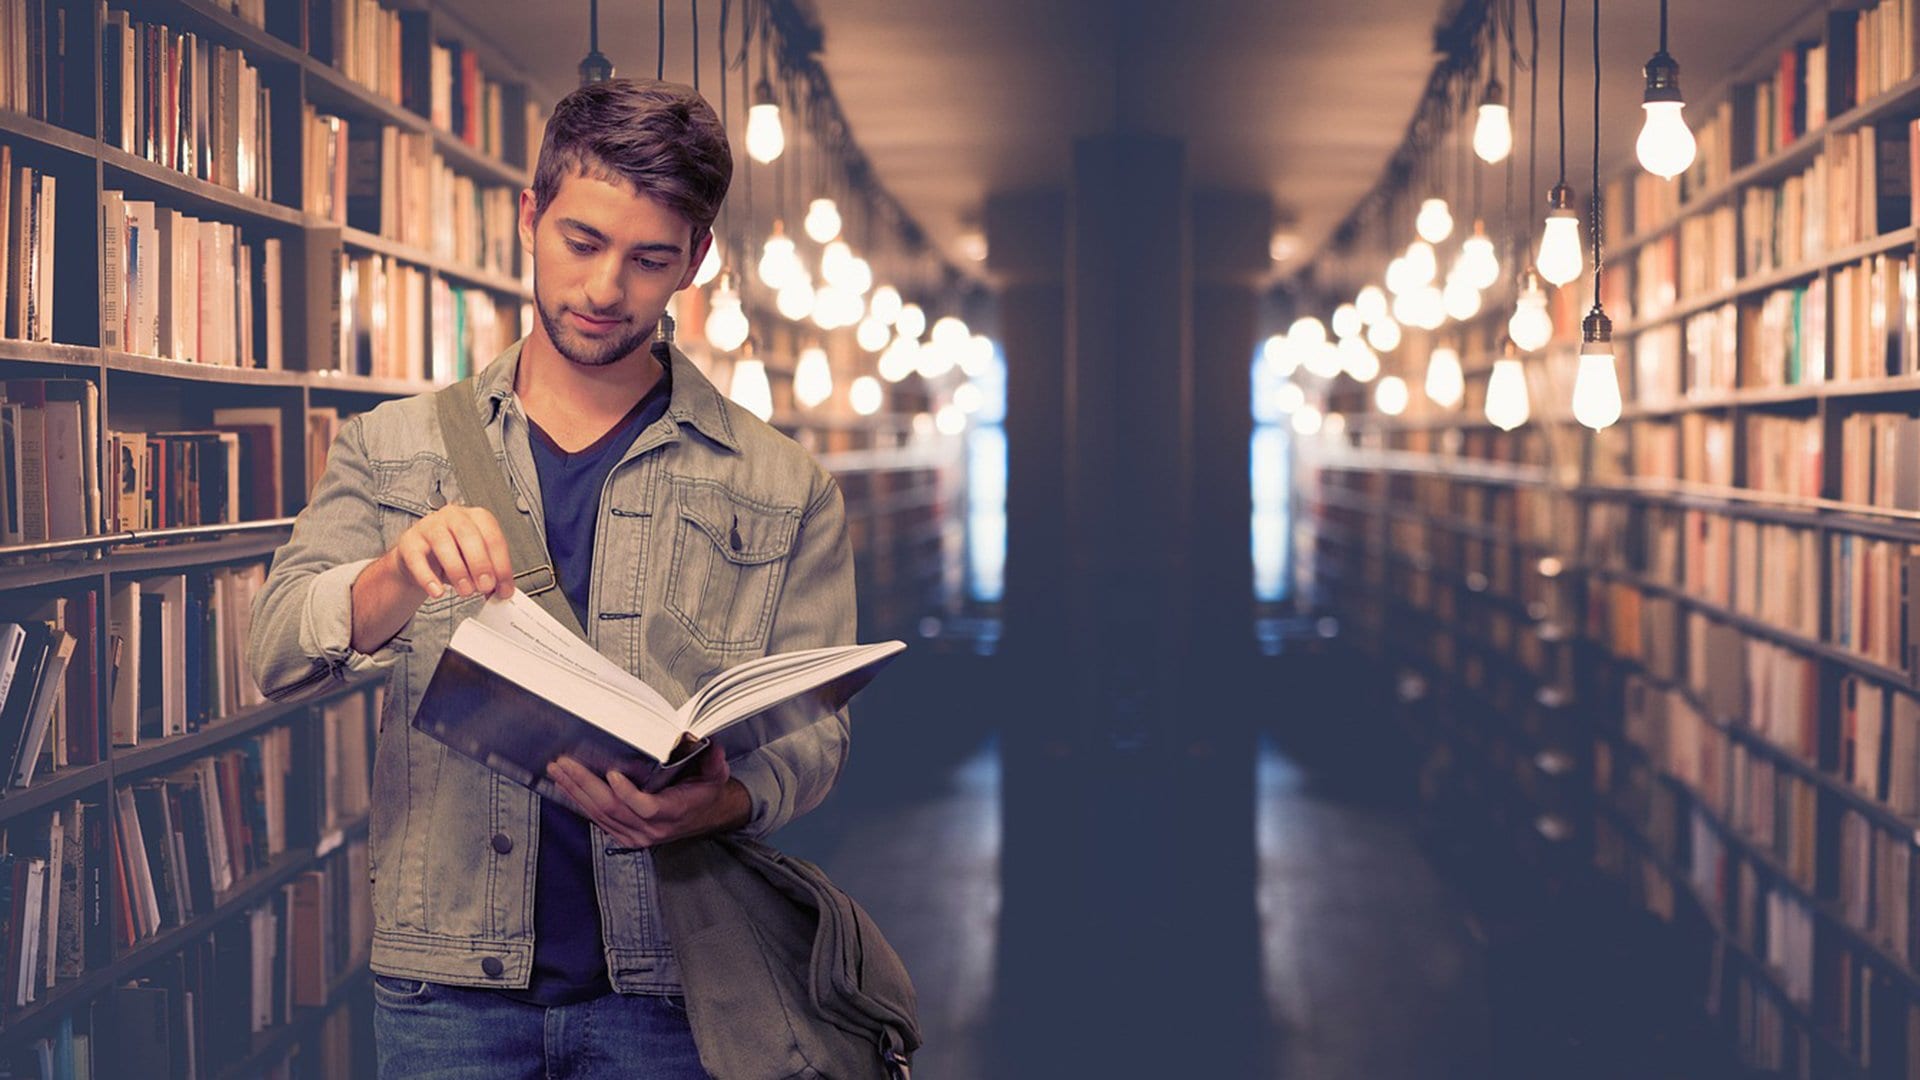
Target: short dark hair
(660, 138)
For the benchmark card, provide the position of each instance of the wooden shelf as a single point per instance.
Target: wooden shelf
(50, 136)
(1767, 281)
(84, 357)
(465, 276)
(142, 178)
(187, 370)
(334, 382)
(134, 761)
(57, 786)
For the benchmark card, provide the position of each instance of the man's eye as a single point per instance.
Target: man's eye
(579, 248)
(651, 264)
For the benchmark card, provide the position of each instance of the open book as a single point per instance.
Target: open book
(515, 689)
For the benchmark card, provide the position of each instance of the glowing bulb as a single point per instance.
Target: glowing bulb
(1531, 327)
(795, 298)
(885, 304)
(1426, 308)
(911, 322)
(1384, 334)
(779, 262)
(872, 334)
(1358, 361)
(1391, 395)
(1421, 265)
(977, 357)
(1371, 304)
(823, 220)
(900, 359)
(859, 275)
(749, 388)
(709, 266)
(1435, 221)
(1596, 387)
(969, 398)
(765, 136)
(1321, 358)
(812, 377)
(1493, 133)
(1666, 145)
(1279, 353)
(836, 263)
(1289, 398)
(1445, 382)
(1560, 259)
(726, 324)
(865, 395)
(1461, 300)
(1396, 276)
(950, 332)
(950, 419)
(1479, 264)
(1307, 330)
(937, 357)
(1334, 424)
(1306, 420)
(1347, 322)
(1507, 406)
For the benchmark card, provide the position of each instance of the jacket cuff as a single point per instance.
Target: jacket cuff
(767, 794)
(327, 631)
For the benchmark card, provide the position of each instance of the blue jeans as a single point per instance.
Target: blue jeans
(431, 1031)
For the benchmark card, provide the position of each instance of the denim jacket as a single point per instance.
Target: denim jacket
(719, 540)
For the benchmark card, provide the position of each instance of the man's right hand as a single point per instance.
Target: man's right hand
(457, 547)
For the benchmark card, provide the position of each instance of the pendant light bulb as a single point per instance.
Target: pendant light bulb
(1493, 127)
(1396, 277)
(1426, 308)
(1479, 262)
(1445, 382)
(900, 359)
(1507, 406)
(1666, 145)
(865, 395)
(1278, 354)
(1460, 299)
(779, 261)
(1596, 386)
(1421, 266)
(709, 266)
(812, 377)
(726, 324)
(1560, 260)
(885, 304)
(795, 298)
(1347, 322)
(1435, 221)
(1384, 334)
(1307, 330)
(911, 322)
(1371, 303)
(766, 138)
(1358, 361)
(1531, 326)
(823, 220)
(1390, 396)
(749, 388)
(872, 334)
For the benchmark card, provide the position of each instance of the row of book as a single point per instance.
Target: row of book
(1784, 225)
(1867, 608)
(1784, 454)
(54, 875)
(184, 288)
(1783, 338)
(1880, 460)
(177, 651)
(183, 841)
(185, 103)
(1875, 332)
(28, 198)
(33, 66)
(393, 183)
(176, 479)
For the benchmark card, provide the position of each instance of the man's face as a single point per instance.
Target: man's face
(605, 261)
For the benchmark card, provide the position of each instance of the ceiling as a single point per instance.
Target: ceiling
(1303, 99)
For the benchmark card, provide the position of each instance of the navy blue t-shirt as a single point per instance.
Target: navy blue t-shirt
(569, 958)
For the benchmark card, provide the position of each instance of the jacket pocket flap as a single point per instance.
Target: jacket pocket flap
(418, 487)
(746, 532)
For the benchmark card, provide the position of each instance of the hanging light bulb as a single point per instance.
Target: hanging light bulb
(935, 359)
(709, 266)
(1422, 267)
(1666, 145)
(1347, 322)
(872, 334)
(978, 356)
(885, 304)
(726, 324)
(1445, 382)
(1289, 398)
(1426, 308)
(594, 67)
(749, 388)
(1434, 222)
(950, 419)
(779, 261)
(1507, 406)
(911, 322)
(823, 220)
(1322, 358)
(970, 398)
(1307, 420)
(859, 274)
(1560, 260)
(1479, 263)
(1531, 326)
(795, 298)
(865, 395)
(835, 261)
(835, 307)
(1460, 300)
(1358, 361)
(812, 377)
(1396, 277)
(1596, 386)
(1371, 303)
(1307, 330)
(766, 138)
(900, 359)
(1391, 395)
(1384, 334)
(1279, 354)
(1493, 127)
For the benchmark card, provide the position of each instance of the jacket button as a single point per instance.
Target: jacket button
(502, 843)
(493, 967)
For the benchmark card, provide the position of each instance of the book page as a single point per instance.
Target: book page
(740, 699)
(523, 621)
(561, 684)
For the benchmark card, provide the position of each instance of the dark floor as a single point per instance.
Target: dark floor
(1375, 955)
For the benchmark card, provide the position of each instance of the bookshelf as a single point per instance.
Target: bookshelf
(203, 389)
(1731, 593)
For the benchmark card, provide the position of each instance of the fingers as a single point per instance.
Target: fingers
(598, 801)
(413, 557)
(498, 553)
(469, 548)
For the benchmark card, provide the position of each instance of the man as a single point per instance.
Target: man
(514, 937)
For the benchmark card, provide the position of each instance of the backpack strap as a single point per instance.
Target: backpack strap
(480, 478)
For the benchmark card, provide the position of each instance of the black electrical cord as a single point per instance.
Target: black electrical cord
(1596, 153)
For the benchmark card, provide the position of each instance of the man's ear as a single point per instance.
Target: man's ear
(699, 256)
(528, 215)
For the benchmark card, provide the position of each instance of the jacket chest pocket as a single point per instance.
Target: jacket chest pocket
(729, 559)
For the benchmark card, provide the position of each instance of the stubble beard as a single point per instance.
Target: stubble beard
(583, 351)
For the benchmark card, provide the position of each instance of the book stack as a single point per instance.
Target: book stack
(1784, 454)
(183, 288)
(28, 198)
(178, 643)
(185, 102)
(1782, 338)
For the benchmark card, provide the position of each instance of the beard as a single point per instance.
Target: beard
(588, 351)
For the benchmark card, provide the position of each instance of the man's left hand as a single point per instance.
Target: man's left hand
(709, 800)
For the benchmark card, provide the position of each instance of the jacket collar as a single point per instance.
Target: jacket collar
(694, 399)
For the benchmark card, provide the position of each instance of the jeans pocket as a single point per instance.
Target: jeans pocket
(399, 993)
